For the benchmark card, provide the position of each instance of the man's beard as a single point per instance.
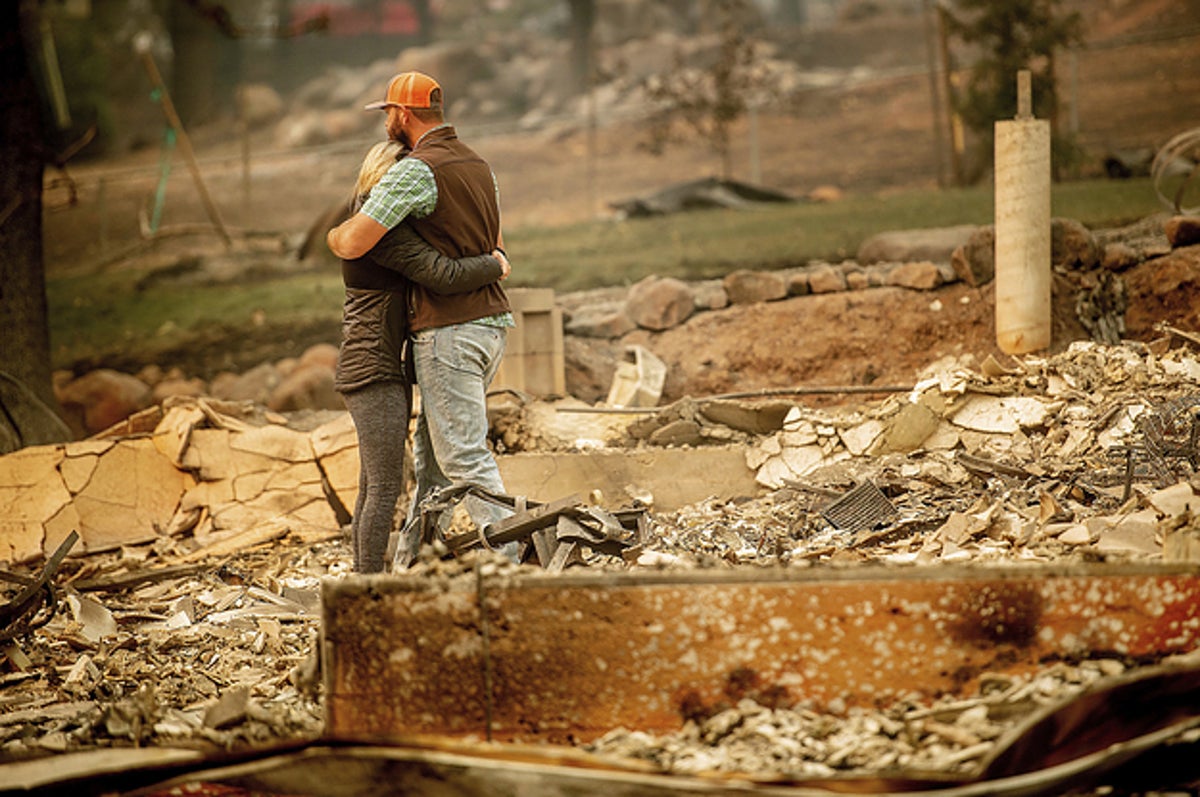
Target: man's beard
(396, 133)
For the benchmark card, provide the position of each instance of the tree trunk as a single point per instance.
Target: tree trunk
(194, 67)
(424, 21)
(24, 324)
(794, 12)
(583, 20)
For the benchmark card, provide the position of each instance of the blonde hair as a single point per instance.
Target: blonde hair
(378, 160)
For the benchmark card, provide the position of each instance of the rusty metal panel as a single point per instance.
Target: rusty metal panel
(570, 657)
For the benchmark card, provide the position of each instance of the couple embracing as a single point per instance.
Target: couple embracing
(422, 259)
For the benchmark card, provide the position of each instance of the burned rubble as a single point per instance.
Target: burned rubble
(1077, 454)
(949, 736)
(1087, 456)
(208, 657)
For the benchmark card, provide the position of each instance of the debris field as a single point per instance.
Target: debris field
(204, 637)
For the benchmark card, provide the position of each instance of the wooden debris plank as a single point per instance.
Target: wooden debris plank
(120, 581)
(240, 541)
(575, 655)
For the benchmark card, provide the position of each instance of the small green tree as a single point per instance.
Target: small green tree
(1012, 35)
(707, 101)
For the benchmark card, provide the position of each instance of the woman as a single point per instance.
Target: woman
(372, 374)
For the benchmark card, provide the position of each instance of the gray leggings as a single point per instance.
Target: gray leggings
(380, 414)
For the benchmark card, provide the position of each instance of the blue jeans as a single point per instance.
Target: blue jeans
(454, 365)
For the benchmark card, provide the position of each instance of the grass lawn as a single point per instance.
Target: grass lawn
(711, 243)
(101, 313)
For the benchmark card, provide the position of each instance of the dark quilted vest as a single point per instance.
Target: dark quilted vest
(466, 221)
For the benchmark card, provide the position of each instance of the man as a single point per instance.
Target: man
(450, 197)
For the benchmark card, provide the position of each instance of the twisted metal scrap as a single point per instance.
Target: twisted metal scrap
(1168, 444)
(1170, 433)
(24, 613)
(575, 523)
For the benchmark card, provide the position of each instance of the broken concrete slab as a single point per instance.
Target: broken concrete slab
(198, 470)
(859, 439)
(907, 430)
(1135, 533)
(1181, 539)
(675, 477)
(335, 446)
(1175, 500)
(31, 494)
(757, 417)
(1003, 414)
(130, 497)
(229, 709)
(111, 494)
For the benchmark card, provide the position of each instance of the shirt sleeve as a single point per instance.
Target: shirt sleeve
(408, 189)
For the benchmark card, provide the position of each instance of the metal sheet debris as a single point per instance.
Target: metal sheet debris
(863, 508)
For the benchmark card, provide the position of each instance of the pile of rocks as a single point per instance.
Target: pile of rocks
(97, 400)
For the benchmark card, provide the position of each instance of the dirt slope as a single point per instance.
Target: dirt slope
(882, 336)
(886, 336)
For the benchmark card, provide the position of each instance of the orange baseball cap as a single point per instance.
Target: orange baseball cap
(409, 90)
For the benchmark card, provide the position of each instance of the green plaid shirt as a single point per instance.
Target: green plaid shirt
(408, 189)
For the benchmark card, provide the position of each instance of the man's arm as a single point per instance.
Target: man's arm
(408, 188)
(355, 236)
